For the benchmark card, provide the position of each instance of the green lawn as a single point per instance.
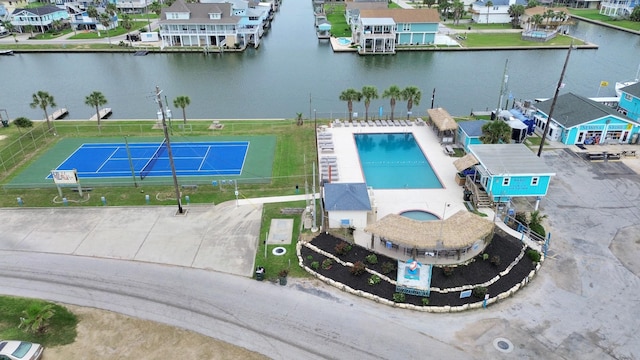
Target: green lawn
(136, 25)
(335, 15)
(594, 14)
(61, 331)
(476, 26)
(477, 40)
(49, 35)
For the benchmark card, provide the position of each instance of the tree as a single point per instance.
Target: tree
(489, 5)
(57, 25)
(536, 20)
(9, 26)
(43, 100)
(22, 123)
(182, 102)
(368, 93)
(458, 11)
(105, 20)
(444, 6)
(549, 15)
(495, 132)
(93, 13)
(515, 12)
(350, 95)
(532, 4)
(535, 222)
(36, 317)
(155, 7)
(635, 15)
(392, 93)
(96, 99)
(29, 29)
(127, 24)
(429, 3)
(412, 95)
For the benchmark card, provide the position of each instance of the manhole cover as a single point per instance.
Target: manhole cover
(279, 251)
(503, 345)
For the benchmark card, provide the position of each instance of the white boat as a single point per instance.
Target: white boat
(620, 85)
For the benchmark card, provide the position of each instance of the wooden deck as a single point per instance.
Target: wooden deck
(58, 114)
(104, 113)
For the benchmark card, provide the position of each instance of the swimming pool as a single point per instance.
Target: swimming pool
(344, 41)
(419, 215)
(394, 161)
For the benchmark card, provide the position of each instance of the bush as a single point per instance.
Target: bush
(283, 273)
(342, 248)
(310, 257)
(533, 255)
(327, 263)
(399, 297)
(447, 270)
(521, 217)
(358, 268)
(315, 265)
(479, 292)
(485, 256)
(387, 267)
(538, 229)
(372, 259)
(495, 260)
(374, 279)
(425, 301)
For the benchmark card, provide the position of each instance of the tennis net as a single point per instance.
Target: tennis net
(146, 169)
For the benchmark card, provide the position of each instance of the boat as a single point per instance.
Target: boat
(6, 52)
(623, 84)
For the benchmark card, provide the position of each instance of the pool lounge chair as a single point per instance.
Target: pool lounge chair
(371, 123)
(378, 123)
(384, 122)
(396, 122)
(363, 124)
(403, 123)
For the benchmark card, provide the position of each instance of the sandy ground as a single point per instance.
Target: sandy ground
(107, 335)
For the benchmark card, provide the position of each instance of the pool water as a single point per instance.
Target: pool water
(394, 161)
(344, 41)
(419, 215)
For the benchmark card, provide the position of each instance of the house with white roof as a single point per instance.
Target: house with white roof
(629, 103)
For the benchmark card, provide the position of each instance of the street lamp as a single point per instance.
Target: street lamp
(444, 212)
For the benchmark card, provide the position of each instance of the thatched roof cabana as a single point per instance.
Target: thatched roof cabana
(459, 231)
(442, 120)
(465, 162)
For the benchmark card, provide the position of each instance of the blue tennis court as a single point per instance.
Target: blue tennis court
(110, 160)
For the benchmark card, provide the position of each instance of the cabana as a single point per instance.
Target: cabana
(452, 240)
(444, 125)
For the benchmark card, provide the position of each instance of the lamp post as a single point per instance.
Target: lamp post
(166, 137)
(444, 212)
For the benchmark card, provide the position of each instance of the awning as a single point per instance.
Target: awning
(442, 120)
(465, 162)
(324, 27)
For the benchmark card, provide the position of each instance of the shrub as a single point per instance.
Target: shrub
(447, 270)
(538, 229)
(495, 260)
(425, 301)
(310, 257)
(374, 279)
(342, 248)
(521, 217)
(315, 265)
(327, 263)
(372, 259)
(358, 268)
(485, 256)
(533, 255)
(387, 267)
(399, 297)
(283, 273)
(479, 292)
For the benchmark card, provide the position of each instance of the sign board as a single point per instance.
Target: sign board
(465, 294)
(64, 176)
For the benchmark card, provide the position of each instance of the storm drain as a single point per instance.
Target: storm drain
(279, 251)
(503, 345)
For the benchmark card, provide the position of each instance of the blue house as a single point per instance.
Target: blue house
(505, 171)
(469, 133)
(39, 18)
(579, 120)
(629, 104)
(347, 204)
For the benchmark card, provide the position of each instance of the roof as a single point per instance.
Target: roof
(199, 13)
(353, 5)
(42, 10)
(459, 231)
(346, 197)
(509, 159)
(472, 128)
(499, 2)
(572, 110)
(377, 21)
(633, 90)
(540, 10)
(465, 162)
(442, 119)
(403, 15)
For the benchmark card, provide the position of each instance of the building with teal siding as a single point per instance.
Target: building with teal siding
(469, 133)
(629, 104)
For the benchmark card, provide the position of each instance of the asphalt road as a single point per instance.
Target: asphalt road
(582, 304)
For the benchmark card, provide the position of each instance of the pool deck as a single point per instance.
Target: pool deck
(394, 201)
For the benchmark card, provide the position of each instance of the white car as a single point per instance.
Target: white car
(20, 350)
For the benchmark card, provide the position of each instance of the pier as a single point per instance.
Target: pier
(104, 113)
(60, 113)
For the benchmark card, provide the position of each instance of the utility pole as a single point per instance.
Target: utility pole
(553, 102)
(503, 87)
(171, 163)
(433, 97)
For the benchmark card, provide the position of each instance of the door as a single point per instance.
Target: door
(581, 137)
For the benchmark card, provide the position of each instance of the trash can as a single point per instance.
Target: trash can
(5, 123)
(259, 273)
(467, 195)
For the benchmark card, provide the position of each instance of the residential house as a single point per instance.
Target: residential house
(40, 18)
(378, 31)
(618, 8)
(551, 19)
(346, 204)
(353, 8)
(498, 13)
(629, 104)
(80, 20)
(469, 133)
(579, 120)
(253, 15)
(133, 6)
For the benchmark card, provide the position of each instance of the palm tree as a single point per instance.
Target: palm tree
(43, 100)
(393, 93)
(549, 14)
(444, 6)
(96, 99)
(155, 7)
(182, 102)
(368, 93)
(412, 95)
(429, 3)
(105, 20)
(536, 20)
(127, 25)
(458, 11)
(535, 222)
(515, 11)
(495, 132)
(93, 13)
(350, 95)
(36, 317)
(489, 5)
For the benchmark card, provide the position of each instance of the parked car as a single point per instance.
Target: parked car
(20, 350)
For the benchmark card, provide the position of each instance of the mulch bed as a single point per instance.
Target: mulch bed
(475, 272)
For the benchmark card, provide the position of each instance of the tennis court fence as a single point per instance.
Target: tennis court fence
(26, 145)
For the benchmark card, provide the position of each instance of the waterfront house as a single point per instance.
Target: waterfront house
(498, 13)
(629, 104)
(133, 6)
(40, 18)
(378, 31)
(469, 133)
(618, 8)
(353, 8)
(346, 204)
(80, 20)
(579, 120)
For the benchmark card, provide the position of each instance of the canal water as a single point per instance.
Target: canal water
(293, 72)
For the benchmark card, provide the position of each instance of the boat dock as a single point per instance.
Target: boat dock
(58, 114)
(104, 113)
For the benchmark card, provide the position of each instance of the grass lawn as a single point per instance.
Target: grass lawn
(335, 15)
(512, 39)
(476, 26)
(136, 25)
(594, 14)
(48, 35)
(61, 330)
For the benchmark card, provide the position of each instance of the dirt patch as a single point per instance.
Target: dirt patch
(108, 335)
(2, 137)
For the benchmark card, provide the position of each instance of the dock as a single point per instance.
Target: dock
(60, 113)
(104, 113)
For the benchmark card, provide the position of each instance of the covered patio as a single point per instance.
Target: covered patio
(443, 124)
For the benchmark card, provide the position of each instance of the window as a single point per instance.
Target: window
(535, 181)
(406, 27)
(627, 97)
(506, 181)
